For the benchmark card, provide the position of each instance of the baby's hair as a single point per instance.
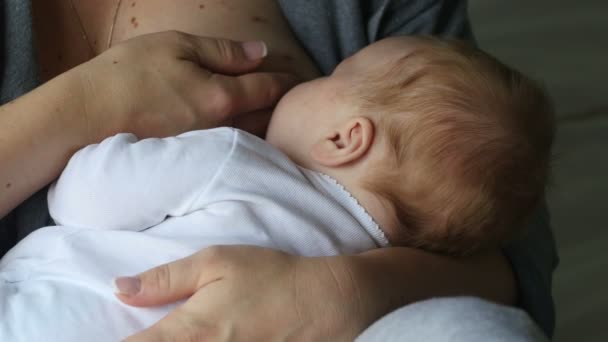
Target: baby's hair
(470, 142)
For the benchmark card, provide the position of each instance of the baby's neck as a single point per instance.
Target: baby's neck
(383, 214)
(350, 176)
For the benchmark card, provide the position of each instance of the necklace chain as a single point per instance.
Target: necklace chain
(84, 32)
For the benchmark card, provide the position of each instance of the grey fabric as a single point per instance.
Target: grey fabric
(19, 75)
(458, 319)
(330, 30)
(333, 30)
(19, 69)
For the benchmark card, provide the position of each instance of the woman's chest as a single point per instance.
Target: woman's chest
(70, 32)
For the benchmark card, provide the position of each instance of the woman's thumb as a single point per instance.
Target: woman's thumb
(158, 286)
(228, 56)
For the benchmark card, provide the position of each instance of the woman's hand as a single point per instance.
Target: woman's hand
(241, 293)
(238, 293)
(158, 85)
(166, 83)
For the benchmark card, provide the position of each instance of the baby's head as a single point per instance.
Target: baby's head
(447, 145)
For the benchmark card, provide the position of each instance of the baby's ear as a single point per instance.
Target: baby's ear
(347, 144)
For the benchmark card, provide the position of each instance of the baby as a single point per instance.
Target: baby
(411, 142)
(445, 147)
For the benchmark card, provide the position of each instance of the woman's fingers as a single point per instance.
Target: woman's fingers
(233, 95)
(166, 83)
(262, 294)
(227, 56)
(191, 321)
(239, 292)
(164, 284)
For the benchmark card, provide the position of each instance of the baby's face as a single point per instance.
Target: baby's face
(312, 109)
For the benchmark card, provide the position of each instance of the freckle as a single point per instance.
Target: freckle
(8, 185)
(258, 19)
(115, 62)
(133, 4)
(134, 22)
(201, 6)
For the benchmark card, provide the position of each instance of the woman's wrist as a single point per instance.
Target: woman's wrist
(78, 109)
(389, 278)
(328, 293)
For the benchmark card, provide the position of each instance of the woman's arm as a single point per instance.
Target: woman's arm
(153, 85)
(406, 275)
(38, 134)
(240, 293)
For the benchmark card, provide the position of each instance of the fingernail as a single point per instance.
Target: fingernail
(255, 50)
(128, 286)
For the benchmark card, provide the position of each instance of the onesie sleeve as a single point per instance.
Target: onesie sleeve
(128, 184)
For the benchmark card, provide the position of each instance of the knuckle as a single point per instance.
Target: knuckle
(220, 259)
(178, 38)
(222, 102)
(170, 37)
(275, 90)
(124, 51)
(161, 278)
(227, 50)
(175, 35)
(214, 254)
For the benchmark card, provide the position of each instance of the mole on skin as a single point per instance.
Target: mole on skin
(8, 185)
(133, 4)
(258, 19)
(201, 6)
(134, 22)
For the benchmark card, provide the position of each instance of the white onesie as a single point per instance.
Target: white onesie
(124, 206)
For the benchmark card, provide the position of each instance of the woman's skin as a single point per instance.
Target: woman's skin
(155, 85)
(165, 84)
(62, 46)
(240, 293)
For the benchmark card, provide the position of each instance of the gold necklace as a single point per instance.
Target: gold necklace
(84, 32)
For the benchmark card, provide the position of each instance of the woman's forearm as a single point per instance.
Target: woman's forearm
(388, 278)
(38, 134)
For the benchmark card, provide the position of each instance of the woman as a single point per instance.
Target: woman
(165, 84)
